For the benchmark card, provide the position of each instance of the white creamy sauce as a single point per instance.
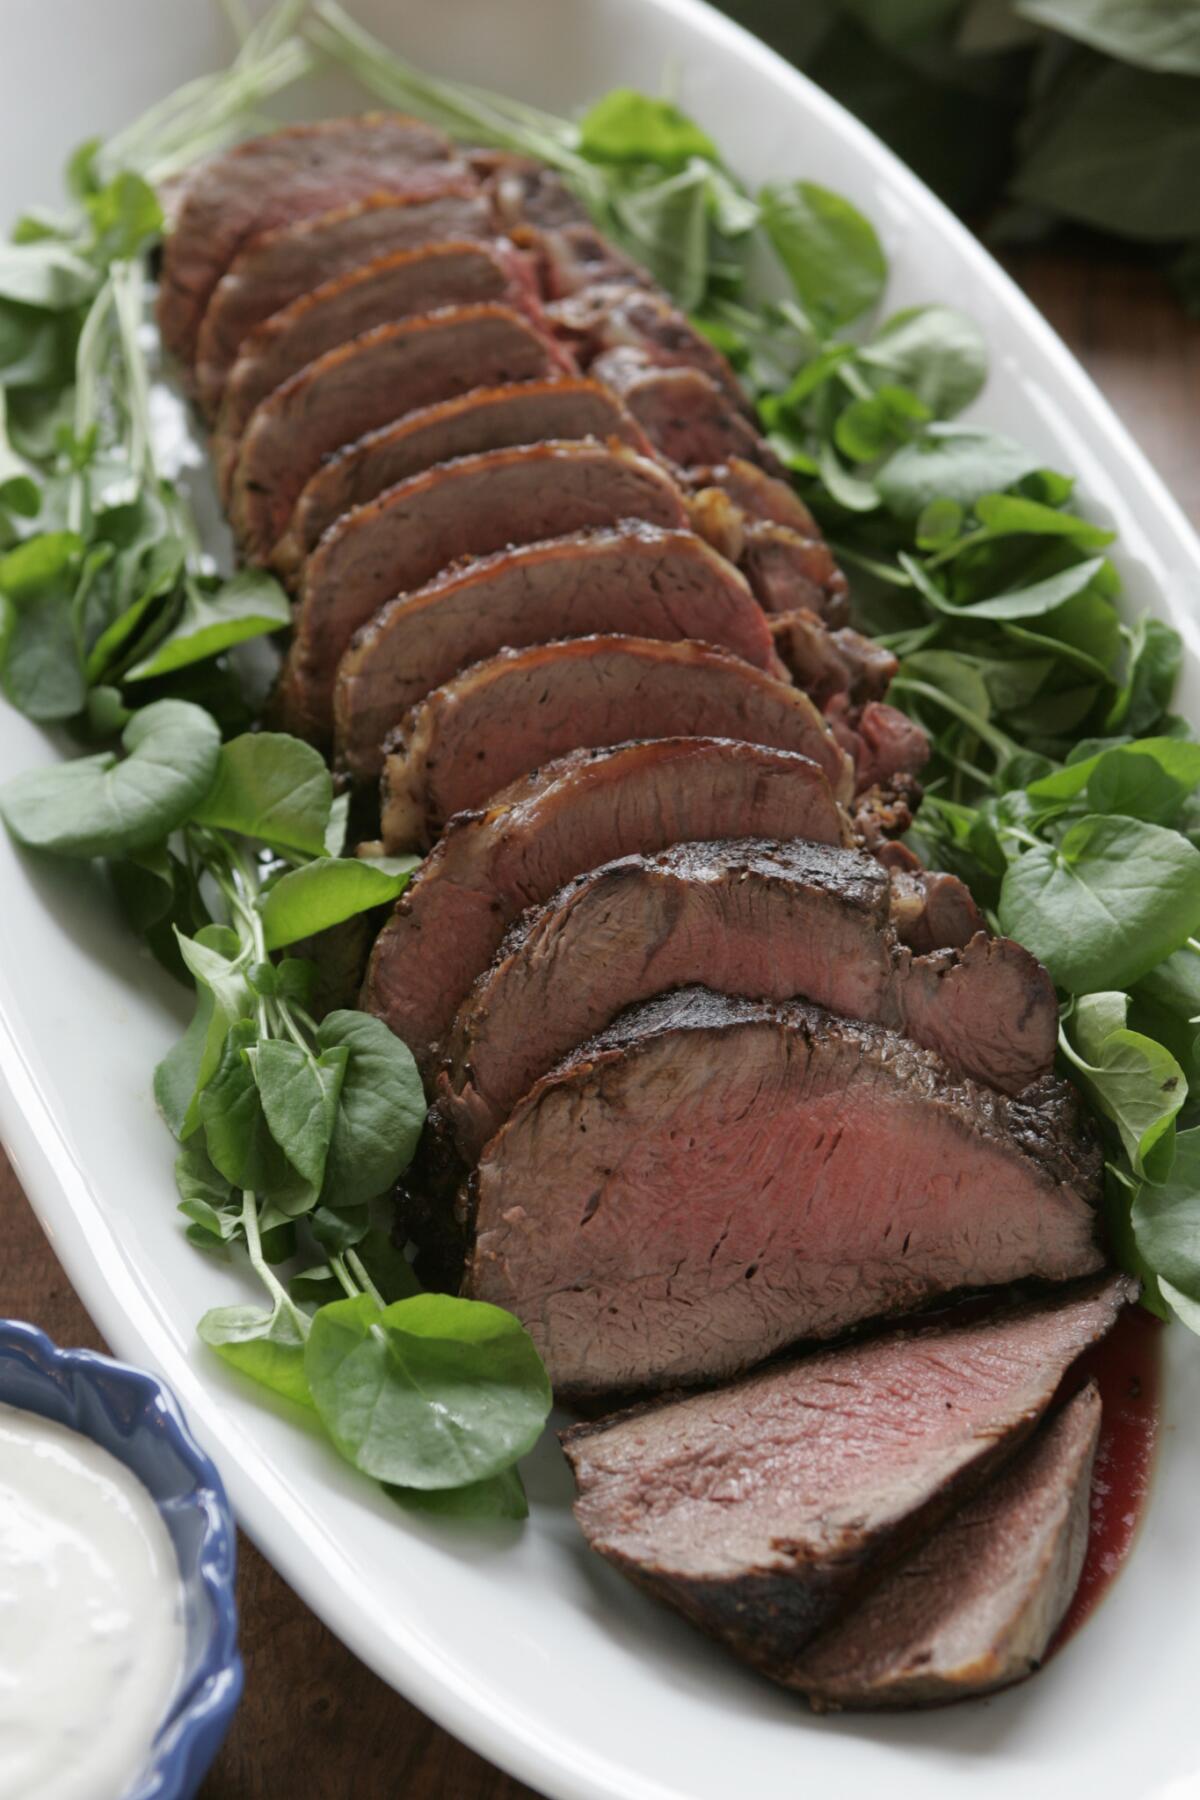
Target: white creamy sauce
(91, 1616)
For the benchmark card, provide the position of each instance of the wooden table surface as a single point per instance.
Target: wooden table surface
(314, 1722)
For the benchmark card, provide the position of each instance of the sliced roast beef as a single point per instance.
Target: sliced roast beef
(762, 525)
(744, 917)
(638, 579)
(527, 192)
(930, 909)
(366, 383)
(686, 416)
(571, 815)
(471, 507)
(757, 494)
(525, 412)
(759, 1511)
(606, 315)
(573, 256)
(825, 662)
(399, 285)
(276, 267)
(493, 722)
(268, 181)
(713, 1179)
(883, 742)
(974, 1608)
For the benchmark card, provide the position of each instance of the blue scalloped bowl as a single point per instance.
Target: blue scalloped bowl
(134, 1417)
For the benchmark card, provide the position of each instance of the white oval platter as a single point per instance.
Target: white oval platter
(519, 1641)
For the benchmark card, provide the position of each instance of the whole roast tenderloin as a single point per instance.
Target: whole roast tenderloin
(717, 1070)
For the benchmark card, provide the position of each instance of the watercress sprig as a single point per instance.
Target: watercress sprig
(292, 1128)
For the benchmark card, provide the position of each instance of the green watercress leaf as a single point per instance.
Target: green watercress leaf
(1166, 1220)
(1135, 1081)
(380, 1109)
(1102, 907)
(250, 605)
(266, 1344)
(100, 806)
(273, 787)
(299, 1095)
(830, 251)
(626, 126)
(938, 354)
(323, 893)
(500, 1497)
(951, 462)
(222, 997)
(431, 1392)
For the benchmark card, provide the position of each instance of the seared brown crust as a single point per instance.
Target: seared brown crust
(288, 174)
(493, 418)
(638, 579)
(398, 285)
(470, 507)
(488, 725)
(745, 917)
(366, 383)
(566, 817)
(275, 267)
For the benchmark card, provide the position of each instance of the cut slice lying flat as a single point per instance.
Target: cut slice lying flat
(712, 1180)
(266, 181)
(471, 507)
(760, 919)
(760, 1509)
(570, 815)
(366, 383)
(501, 718)
(276, 267)
(400, 285)
(526, 412)
(638, 579)
(975, 1607)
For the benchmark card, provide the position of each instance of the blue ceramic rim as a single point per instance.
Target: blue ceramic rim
(204, 1705)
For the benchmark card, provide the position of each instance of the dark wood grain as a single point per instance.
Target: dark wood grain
(315, 1722)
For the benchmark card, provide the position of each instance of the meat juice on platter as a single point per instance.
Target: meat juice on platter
(728, 1100)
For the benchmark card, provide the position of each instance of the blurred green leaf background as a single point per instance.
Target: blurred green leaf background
(1027, 116)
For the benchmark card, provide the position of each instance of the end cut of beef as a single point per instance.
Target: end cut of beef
(744, 917)
(366, 383)
(974, 1608)
(525, 412)
(501, 718)
(636, 579)
(761, 1511)
(471, 507)
(276, 267)
(289, 174)
(712, 1179)
(571, 815)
